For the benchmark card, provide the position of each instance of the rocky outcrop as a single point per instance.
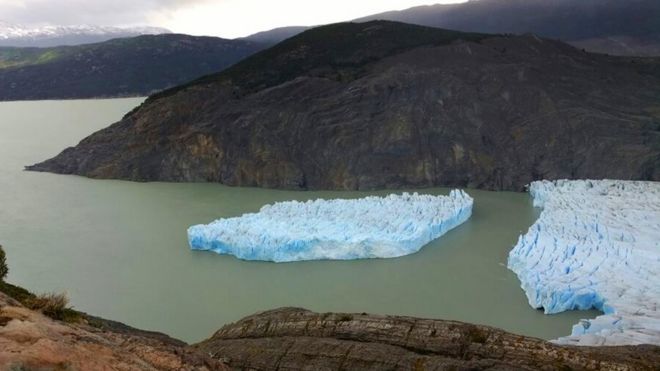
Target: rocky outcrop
(389, 105)
(32, 341)
(297, 339)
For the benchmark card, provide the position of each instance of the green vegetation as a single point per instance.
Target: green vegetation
(339, 51)
(48, 56)
(52, 305)
(3, 265)
(11, 57)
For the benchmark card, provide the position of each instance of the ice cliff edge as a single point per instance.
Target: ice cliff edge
(370, 227)
(595, 245)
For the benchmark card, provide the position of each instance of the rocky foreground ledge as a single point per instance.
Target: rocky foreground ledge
(292, 339)
(296, 339)
(30, 340)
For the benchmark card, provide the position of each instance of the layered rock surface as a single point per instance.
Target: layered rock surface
(297, 339)
(389, 105)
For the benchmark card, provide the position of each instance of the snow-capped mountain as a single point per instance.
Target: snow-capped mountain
(19, 35)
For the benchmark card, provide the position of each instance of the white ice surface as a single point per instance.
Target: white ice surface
(595, 245)
(371, 227)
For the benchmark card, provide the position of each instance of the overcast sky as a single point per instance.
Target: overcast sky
(225, 18)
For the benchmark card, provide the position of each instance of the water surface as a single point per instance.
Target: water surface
(119, 248)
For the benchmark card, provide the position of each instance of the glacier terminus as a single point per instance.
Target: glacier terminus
(595, 245)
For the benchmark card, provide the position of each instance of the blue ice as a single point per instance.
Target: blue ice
(339, 229)
(596, 245)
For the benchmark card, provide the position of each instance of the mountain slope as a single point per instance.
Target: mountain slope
(119, 67)
(338, 51)
(617, 27)
(568, 20)
(562, 19)
(277, 34)
(388, 105)
(48, 36)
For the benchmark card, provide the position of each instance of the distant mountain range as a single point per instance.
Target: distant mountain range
(392, 105)
(618, 27)
(146, 64)
(120, 67)
(25, 36)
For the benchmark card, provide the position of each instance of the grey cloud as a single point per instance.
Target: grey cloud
(98, 12)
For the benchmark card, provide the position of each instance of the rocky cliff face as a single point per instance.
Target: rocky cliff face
(389, 105)
(294, 339)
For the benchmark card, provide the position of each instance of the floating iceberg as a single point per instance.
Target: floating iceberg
(371, 227)
(595, 245)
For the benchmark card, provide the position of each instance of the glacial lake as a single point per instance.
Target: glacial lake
(119, 249)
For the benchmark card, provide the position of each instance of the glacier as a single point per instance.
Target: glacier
(595, 245)
(338, 229)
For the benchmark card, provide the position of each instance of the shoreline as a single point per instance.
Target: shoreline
(75, 99)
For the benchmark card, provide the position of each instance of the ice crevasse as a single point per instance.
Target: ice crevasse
(595, 245)
(338, 229)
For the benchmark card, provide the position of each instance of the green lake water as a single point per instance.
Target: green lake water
(119, 249)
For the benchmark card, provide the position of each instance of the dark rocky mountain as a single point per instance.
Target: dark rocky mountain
(618, 27)
(120, 67)
(389, 105)
(276, 35)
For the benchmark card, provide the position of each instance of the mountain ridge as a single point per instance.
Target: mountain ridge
(343, 46)
(119, 67)
(16, 35)
(429, 108)
(614, 27)
(276, 35)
